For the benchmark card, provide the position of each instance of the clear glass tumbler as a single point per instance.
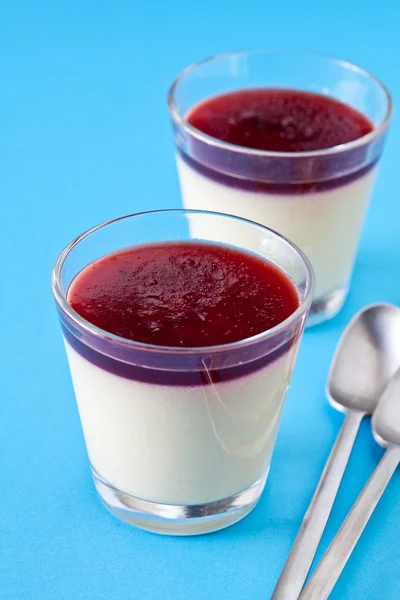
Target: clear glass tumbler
(180, 439)
(316, 199)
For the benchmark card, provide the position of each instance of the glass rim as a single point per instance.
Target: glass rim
(181, 120)
(61, 297)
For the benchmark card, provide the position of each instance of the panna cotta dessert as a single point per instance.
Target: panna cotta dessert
(181, 353)
(323, 217)
(186, 438)
(300, 161)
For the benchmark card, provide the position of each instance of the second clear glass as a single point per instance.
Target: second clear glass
(316, 199)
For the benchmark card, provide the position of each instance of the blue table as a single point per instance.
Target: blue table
(85, 137)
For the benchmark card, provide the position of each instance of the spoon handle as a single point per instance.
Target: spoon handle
(332, 563)
(307, 540)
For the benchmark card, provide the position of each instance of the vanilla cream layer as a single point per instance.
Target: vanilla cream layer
(180, 444)
(326, 225)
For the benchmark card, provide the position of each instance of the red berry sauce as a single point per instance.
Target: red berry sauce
(183, 294)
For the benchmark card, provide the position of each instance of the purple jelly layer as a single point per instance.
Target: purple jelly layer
(128, 363)
(247, 179)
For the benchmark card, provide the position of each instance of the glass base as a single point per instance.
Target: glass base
(172, 519)
(327, 307)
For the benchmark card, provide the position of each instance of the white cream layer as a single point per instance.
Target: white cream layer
(180, 445)
(325, 225)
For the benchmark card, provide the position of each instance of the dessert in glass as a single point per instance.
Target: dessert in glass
(288, 139)
(181, 350)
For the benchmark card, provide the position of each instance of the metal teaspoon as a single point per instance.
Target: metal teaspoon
(366, 358)
(386, 430)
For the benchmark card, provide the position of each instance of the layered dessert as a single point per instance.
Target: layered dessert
(197, 426)
(286, 159)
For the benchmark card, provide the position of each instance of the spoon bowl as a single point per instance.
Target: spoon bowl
(386, 417)
(367, 356)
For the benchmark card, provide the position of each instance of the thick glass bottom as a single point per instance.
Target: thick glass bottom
(327, 307)
(171, 519)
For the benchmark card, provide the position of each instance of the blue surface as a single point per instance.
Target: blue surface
(85, 137)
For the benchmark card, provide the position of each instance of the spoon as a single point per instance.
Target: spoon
(386, 430)
(366, 358)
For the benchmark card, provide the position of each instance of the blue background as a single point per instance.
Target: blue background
(85, 137)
